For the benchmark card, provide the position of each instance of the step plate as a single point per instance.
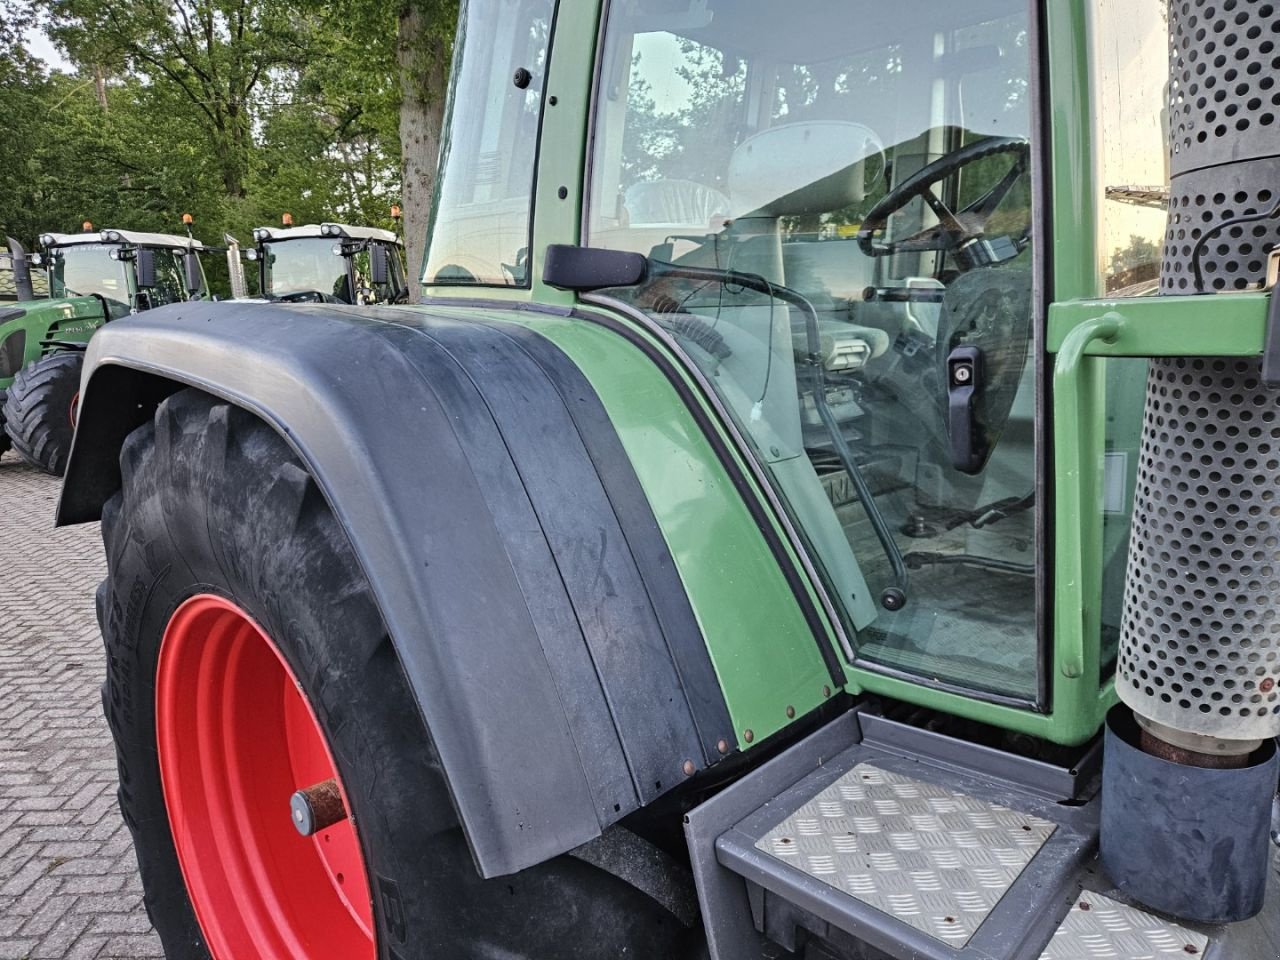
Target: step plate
(1099, 927)
(930, 857)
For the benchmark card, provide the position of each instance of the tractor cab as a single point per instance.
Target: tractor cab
(833, 216)
(127, 271)
(329, 263)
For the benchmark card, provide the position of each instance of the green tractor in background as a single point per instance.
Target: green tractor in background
(88, 279)
(781, 530)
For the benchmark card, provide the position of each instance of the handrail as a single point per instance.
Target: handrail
(1069, 611)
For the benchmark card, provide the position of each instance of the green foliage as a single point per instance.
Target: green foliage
(235, 112)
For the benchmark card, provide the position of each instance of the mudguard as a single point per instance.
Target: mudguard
(521, 575)
(25, 327)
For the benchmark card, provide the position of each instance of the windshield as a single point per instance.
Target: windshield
(305, 266)
(87, 269)
(835, 200)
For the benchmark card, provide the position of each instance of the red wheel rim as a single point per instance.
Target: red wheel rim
(236, 737)
(73, 414)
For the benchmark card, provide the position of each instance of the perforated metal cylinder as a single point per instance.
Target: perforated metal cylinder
(1200, 641)
(1224, 130)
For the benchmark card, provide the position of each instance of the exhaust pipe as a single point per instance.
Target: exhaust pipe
(235, 267)
(21, 270)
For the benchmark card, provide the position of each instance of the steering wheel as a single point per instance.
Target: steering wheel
(953, 229)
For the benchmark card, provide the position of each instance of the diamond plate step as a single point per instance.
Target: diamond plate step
(914, 856)
(1098, 927)
(920, 852)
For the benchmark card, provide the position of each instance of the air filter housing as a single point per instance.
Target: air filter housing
(1200, 639)
(1200, 643)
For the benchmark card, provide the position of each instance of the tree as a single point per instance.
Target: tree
(215, 53)
(424, 32)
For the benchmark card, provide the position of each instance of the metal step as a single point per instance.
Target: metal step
(1098, 926)
(927, 855)
(880, 840)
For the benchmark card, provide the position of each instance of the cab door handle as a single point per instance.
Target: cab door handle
(964, 386)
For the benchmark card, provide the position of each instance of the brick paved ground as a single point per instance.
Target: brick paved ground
(68, 880)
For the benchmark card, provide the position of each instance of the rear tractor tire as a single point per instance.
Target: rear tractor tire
(5, 442)
(40, 410)
(247, 662)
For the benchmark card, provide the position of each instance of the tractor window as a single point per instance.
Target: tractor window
(835, 201)
(86, 269)
(480, 225)
(1130, 62)
(369, 292)
(171, 284)
(305, 269)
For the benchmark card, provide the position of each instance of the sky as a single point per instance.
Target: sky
(40, 45)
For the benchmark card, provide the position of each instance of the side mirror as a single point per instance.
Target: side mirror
(191, 266)
(568, 267)
(379, 268)
(146, 268)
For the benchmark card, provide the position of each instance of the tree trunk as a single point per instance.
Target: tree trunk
(423, 57)
(100, 86)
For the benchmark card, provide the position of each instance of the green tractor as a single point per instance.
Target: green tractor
(88, 279)
(779, 531)
(324, 263)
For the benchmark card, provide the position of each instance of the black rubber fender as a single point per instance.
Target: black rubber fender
(521, 574)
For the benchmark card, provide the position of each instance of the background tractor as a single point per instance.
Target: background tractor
(780, 529)
(324, 263)
(87, 279)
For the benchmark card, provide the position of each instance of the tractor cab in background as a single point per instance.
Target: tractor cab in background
(329, 263)
(78, 282)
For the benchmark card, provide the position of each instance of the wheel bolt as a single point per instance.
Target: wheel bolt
(317, 808)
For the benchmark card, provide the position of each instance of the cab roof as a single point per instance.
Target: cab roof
(135, 237)
(335, 230)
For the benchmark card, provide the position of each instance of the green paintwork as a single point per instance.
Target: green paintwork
(1072, 208)
(1213, 325)
(563, 149)
(73, 319)
(1082, 334)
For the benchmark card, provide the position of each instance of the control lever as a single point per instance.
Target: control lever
(964, 383)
